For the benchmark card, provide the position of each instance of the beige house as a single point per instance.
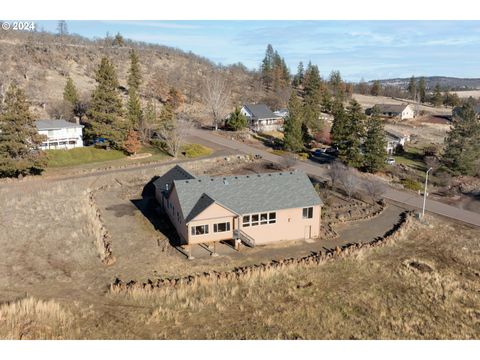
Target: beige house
(254, 209)
(403, 111)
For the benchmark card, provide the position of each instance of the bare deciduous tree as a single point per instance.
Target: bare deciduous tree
(345, 177)
(216, 97)
(375, 189)
(173, 135)
(287, 162)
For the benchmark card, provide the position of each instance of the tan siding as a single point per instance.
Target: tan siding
(290, 225)
(214, 214)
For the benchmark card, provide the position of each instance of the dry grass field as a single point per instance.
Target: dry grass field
(467, 93)
(53, 284)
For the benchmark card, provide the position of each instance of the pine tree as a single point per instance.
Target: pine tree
(106, 111)
(150, 121)
(462, 152)
(237, 121)
(70, 92)
(437, 98)
(19, 138)
(312, 98)
(338, 132)
(267, 67)
(134, 107)
(363, 87)
(298, 79)
(375, 143)
(412, 87)
(421, 89)
(292, 139)
(337, 85)
(134, 73)
(350, 152)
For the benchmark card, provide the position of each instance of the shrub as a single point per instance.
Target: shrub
(195, 150)
(303, 156)
(411, 184)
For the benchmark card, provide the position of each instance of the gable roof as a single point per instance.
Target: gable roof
(391, 108)
(260, 111)
(396, 134)
(175, 173)
(55, 124)
(245, 194)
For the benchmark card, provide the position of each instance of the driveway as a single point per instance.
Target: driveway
(402, 197)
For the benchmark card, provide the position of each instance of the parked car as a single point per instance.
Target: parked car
(318, 152)
(390, 161)
(332, 151)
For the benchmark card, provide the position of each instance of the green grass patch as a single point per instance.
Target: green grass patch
(83, 155)
(411, 184)
(196, 150)
(411, 157)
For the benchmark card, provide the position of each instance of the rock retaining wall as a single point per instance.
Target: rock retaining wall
(315, 259)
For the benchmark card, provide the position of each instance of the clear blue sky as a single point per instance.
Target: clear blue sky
(368, 49)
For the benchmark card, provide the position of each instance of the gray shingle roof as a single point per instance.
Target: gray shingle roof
(175, 173)
(55, 124)
(245, 194)
(260, 111)
(391, 108)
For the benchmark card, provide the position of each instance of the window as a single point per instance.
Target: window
(246, 220)
(221, 227)
(200, 230)
(264, 218)
(308, 213)
(272, 218)
(255, 220)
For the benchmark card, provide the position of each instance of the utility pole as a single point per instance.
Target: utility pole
(425, 192)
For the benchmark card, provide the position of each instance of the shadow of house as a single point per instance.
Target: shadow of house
(152, 211)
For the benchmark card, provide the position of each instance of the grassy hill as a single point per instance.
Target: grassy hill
(40, 63)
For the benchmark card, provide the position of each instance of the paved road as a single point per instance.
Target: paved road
(402, 197)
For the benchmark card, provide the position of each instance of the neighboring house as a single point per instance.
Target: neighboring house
(261, 118)
(394, 140)
(254, 209)
(60, 134)
(403, 111)
(456, 111)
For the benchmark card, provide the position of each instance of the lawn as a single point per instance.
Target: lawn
(83, 155)
(196, 150)
(412, 157)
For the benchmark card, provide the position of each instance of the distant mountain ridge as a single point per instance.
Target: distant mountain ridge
(451, 83)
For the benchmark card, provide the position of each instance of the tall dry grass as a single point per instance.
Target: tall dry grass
(31, 318)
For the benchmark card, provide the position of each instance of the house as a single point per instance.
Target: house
(394, 140)
(403, 111)
(60, 134)
(254, 209)
(261, 118)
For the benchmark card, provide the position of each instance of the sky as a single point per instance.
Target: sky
(358, 49)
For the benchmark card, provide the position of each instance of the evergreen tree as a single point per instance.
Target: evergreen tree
(106, 112)
(462, 152)
(338, 132)
(336, 83)
(267, 67)
(412, 87)
(350, 152)
(150, 121)
(134, 73)
(19, 138)
(237, 121)
(292, 139)
(118, 40)
(134, 109)
(376, 88)
(375, 144)
(62, 28)
(312, 98)
(70, 92)
(298, 79)
(326, 101)
(437, 98)
(421, 90)
(363, 87)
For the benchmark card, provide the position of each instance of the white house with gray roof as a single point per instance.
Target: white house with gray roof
(261, 118)
(60, 134)
(255, 209)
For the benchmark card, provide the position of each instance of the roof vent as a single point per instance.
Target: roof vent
(258, 175)
(199, 180)
(269, 174)
(166, 186)
(225, 182)
(211, 179)
(236, 177)
(247, 176)
(279, 173)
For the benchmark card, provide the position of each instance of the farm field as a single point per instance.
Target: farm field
(467, 93)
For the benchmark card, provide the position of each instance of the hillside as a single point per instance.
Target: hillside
(430, 82)
(40, 63)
